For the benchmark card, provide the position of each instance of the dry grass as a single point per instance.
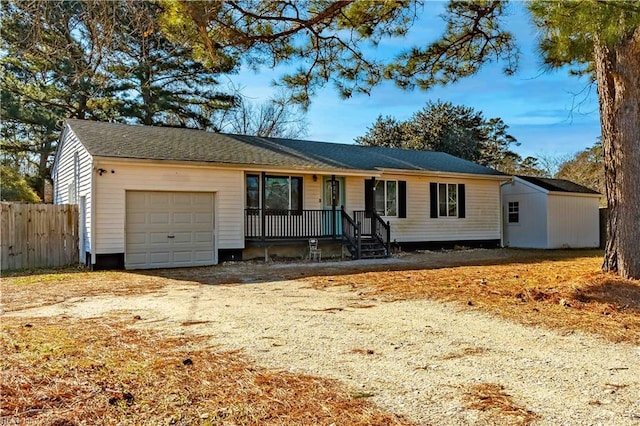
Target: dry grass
(465, 352)
(566, 293)
(29, 289)
(55, 371)
(67, 371)
(492, 398)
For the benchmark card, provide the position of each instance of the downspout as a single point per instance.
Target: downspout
(94, 204)
(510, 181)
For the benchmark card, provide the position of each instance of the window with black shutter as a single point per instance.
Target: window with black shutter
(447, 200)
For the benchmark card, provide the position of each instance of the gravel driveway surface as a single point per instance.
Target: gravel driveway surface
(417, 358)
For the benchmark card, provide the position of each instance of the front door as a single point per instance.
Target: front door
(333, 199)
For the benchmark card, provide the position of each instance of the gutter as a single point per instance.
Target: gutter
(443, 174)
(245, 167)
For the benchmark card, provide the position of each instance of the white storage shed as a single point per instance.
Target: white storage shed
(549, 214)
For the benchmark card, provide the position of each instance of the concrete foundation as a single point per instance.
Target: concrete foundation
(269, 251)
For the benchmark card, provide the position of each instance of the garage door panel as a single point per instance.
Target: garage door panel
(159, 239)
(158, 199)
(203, 237)
(183, 256)
(182, 238)
(165, 229)
(137, 238)
(204, 256)
(183, 218)
(136, 198)
(137, 218)
(137, 258)
(203, 218)
(159, 257)
(159, 218)
(201, 199)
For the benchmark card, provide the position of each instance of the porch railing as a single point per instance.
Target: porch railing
(289, 224)
(351, 234)
(372, 225)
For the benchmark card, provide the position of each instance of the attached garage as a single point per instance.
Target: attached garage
(169, 229)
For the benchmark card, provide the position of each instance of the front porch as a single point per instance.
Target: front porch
(364, 235)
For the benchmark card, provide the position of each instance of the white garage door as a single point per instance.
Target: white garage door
(169, 229)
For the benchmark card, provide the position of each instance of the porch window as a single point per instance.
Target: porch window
(514, 212)
(385, 197)
(282, 194)
(253, 192)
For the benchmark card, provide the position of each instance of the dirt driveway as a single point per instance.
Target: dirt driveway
(419, 358)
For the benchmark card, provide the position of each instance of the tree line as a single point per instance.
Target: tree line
(110, 61)
(466, 133)
(59, 60)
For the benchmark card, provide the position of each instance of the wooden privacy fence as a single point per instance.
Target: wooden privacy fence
(38, 235)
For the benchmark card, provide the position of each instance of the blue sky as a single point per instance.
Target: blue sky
(549, 112)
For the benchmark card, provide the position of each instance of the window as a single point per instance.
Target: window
(253, 192)
(447, 200)
(385, 197)
(332, 193)
(514, 212)
(281, 194)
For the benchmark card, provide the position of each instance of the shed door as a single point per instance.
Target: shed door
(169, 229)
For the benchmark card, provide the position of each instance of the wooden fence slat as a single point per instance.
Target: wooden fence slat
(38, 235)
(5, 236)
(22, 238)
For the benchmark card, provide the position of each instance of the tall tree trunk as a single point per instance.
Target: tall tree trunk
(618, 77)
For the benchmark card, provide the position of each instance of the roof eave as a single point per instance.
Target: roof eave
(575, 194)
(445, 174)
(241, 166)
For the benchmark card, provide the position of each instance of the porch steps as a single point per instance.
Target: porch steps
(370, 248)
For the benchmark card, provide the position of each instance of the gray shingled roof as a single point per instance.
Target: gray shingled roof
(558, 185)
(178, 144)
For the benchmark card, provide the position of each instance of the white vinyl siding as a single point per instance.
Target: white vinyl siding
(530, 230)
(312, 192)
(72, 180)
(574, 221)
(482, 221)
(110, 189)
(549, 220)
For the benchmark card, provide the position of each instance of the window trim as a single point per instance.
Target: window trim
(253, 210)
(515, 211)
(384, 183)
(262, 179)
(447, 202)
(435, 205)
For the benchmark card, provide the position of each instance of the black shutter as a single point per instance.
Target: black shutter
(461, 200)
(402, 198)
(433, 198)
(300, 197)
(368, 197)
